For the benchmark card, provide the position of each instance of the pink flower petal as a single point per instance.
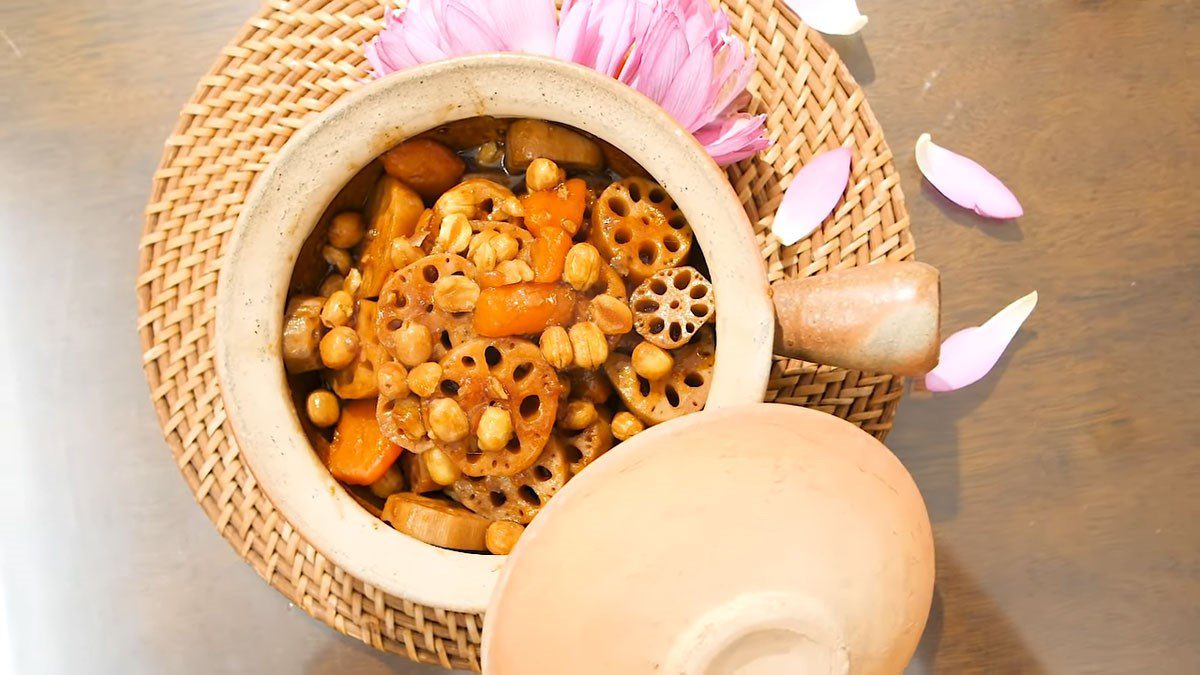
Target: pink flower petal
(965, 182)
(468, 32)
(701, 24)
(832, 17)
(659, 55)
(528, 26)
(812, 196)
(600, 33)
(733, 65)
(574, 42)
(686, 98)
(680, 53)
(735, 137)
(971, 353)
(388, 54)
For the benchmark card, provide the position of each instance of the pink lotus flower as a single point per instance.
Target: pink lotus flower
(680, 53)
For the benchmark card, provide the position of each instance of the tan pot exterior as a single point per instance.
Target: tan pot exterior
(288, 200)
(755, 540)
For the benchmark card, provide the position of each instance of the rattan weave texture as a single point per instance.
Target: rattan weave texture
(290, 62)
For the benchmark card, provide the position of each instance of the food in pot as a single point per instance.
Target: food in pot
(471, 343)
(671, 306)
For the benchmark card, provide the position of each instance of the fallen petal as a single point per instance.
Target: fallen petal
(971, 353)
(832, 17)
(963, 181)
(812, 196)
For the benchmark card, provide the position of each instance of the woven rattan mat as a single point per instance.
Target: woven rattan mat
(290, 62)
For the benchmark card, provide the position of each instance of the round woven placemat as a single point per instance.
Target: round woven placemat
(290, 62)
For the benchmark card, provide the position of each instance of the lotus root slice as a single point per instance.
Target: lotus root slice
(669, 307)
(585, 446)
(517, 498)
(395, 416)
(408, 296)
(510, 374)
(478, 199)
(637, 226)
(684, 390)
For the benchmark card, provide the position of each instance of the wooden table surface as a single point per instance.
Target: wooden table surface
(1064, 489)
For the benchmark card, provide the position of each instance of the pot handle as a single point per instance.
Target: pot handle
(883, 318)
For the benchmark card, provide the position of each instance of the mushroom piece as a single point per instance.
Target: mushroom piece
(533, 139)
(302, 333)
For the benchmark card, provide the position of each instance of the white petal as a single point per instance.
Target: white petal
(833, 17)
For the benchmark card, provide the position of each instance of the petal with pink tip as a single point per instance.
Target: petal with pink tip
(963, 181)
(689, 96)
(528, 26)
(734, 137)
(599, 33)
(832, 17)
(971, 353)
(812, 196)
(466, 31)
(661, 52)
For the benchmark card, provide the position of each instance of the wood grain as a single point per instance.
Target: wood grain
(1063, 488)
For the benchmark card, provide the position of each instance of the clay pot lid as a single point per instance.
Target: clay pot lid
(753, 539)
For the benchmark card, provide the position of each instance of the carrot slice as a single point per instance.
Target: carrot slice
(561, 207)
(523, 309)
(548, 254)
(359, 454)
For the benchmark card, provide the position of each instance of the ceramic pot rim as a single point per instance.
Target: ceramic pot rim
(309, 171)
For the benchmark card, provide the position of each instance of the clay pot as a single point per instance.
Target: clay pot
(290, 197)
(755, 539)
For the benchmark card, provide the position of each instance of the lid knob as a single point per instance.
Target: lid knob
(761, 634)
